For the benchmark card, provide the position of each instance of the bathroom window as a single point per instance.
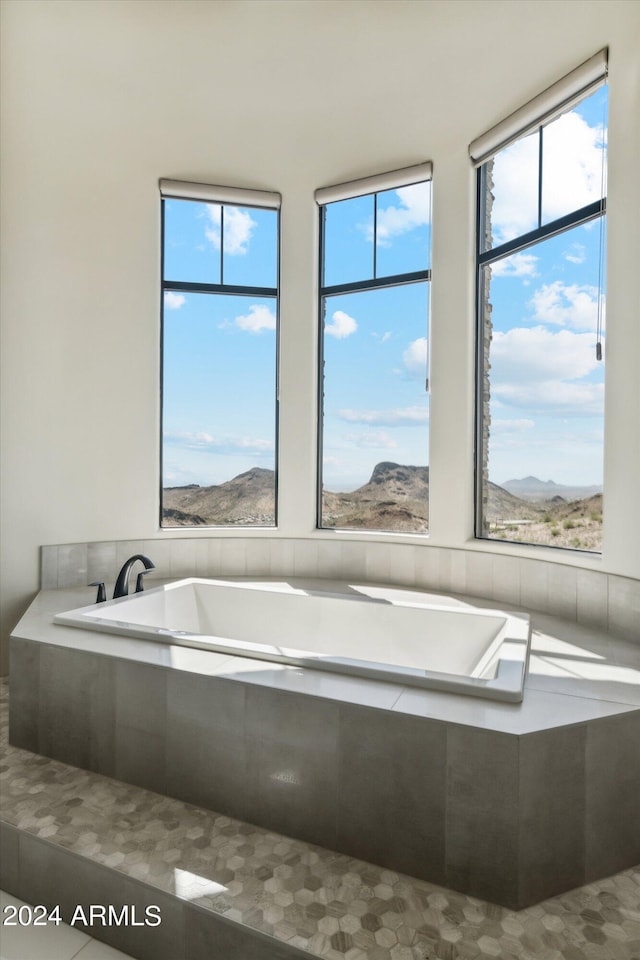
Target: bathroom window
(541, 317)
(375, 243)
(219, 350)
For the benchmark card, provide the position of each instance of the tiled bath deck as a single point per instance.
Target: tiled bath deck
(309, 900)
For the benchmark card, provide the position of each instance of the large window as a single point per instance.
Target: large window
(375, 239)
(541, 309)
(220, 318)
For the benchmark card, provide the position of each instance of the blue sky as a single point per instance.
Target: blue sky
(547, 388)
(220, 351)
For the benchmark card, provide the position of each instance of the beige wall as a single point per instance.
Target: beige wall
(100, 99)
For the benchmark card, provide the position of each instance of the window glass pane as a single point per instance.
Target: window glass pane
(348, 241)
(544, 388)
(376, 411)
(219, 410)
(512, 191)
(574, 158)
(190, 251)
(250, 246)
(403, 230)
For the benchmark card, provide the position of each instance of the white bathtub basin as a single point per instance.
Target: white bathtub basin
(478, 652)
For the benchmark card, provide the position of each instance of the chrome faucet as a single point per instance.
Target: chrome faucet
(121, 588)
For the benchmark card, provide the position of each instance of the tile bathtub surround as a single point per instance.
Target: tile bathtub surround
(442, 799)
(589, 597)
(72, 834)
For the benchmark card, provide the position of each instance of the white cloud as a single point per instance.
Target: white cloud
(412, 211)
(567, 305)
(259, 318)
(374, 439)
(341, 325)
(571, 165)
(382, 337)
(526, 355)
(571, 176)
(536, 369)
(577, 253)
(173, 301)
(398, 417)
(518, 265)
(511, 426)
(415, 358)
(557, 397)
(229, 445)
(515, 176)
(238, 228)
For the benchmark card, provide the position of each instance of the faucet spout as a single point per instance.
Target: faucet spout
(121, 588)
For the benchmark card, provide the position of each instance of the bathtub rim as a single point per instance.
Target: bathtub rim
(507, 685)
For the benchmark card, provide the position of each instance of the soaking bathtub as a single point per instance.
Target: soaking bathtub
(356, 630)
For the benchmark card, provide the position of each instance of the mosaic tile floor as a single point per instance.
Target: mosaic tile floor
(325, 903)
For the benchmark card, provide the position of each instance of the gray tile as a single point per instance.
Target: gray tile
(330, 560)
(158, 551)
(55, 877)
(534, 585)
(214, 554)
(126, 549)
(205, 701)
(552, 813)
(51, 875)
(24, 663)
(258, 557)
(183, 558)
(480, 574)
(354, 559)
(141, 696)
(101, 561)
(378, 563)
(624, 607)
(206, 751)
(563, 592)
(39, 937)
(458, 571)
(9, 859)
(249, 874)
(428, 563)
(282, 554)
(201, 546)
(612, 784)
(292, 788)
(234, 557)
(402, 564)
(49, 567)
(592, 598)
(482, 814)
(72, 564)
(207, 767)
(445, 559)
(210, 937)
(76, 708)
(165, 941)
(291, 719)
(140, 758)
(506, 580)
(391, 807)
(305, 558)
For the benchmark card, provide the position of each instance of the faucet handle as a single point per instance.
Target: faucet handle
(102, 593)
(139, 583)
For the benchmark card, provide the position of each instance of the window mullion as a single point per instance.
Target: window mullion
(540, 138)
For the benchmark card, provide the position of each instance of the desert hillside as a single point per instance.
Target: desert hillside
(396, 497)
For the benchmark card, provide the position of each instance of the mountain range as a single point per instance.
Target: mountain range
(531, 488)
(396, 497)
